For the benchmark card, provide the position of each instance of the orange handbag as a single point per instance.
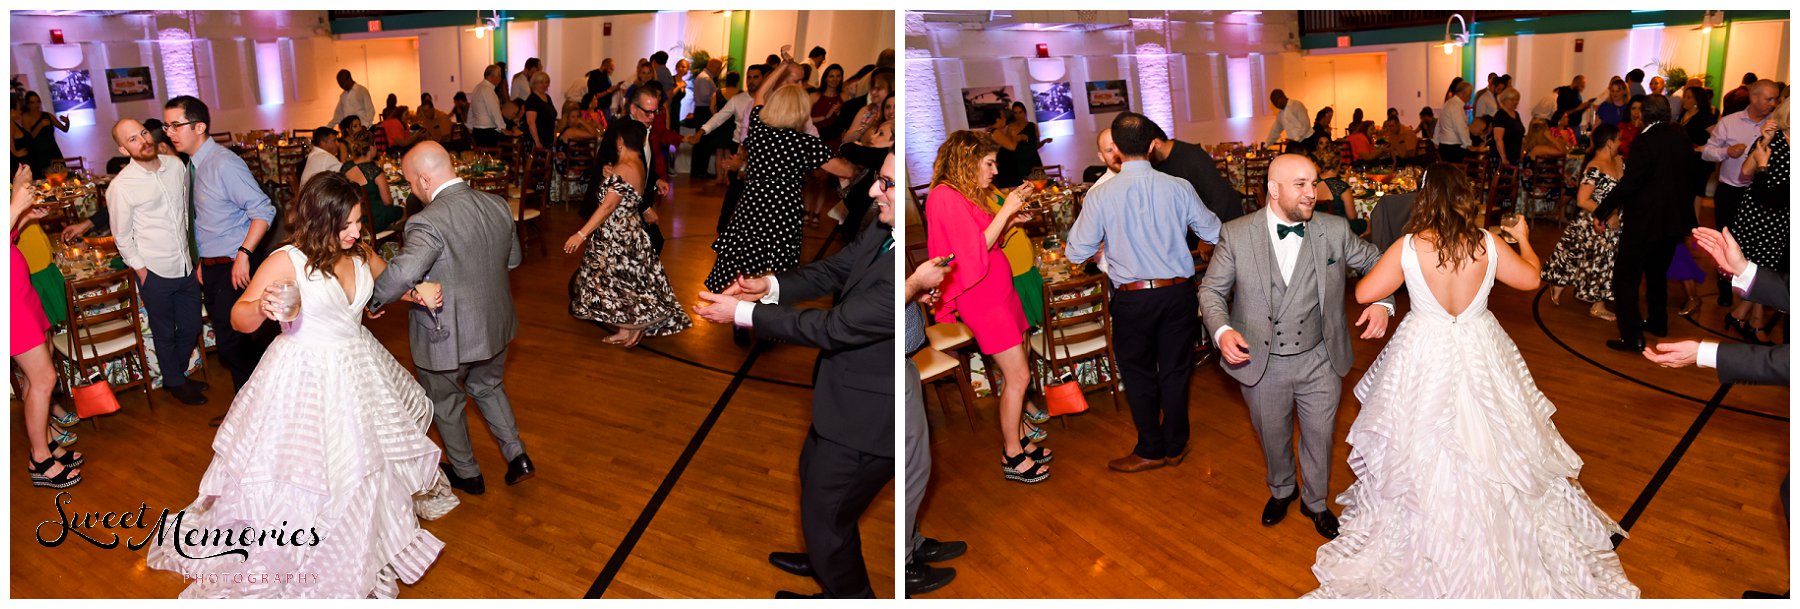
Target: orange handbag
(94, 399)
(1065, 398)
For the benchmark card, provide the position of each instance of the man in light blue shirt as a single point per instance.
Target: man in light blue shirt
(1141, 217)
(230, 217)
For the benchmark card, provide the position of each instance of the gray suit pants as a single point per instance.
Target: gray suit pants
(450, 390)
(1306, 383)
(918, 457)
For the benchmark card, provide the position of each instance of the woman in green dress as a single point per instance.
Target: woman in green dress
(363, 171)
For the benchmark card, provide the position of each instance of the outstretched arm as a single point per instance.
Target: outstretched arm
(423, 245)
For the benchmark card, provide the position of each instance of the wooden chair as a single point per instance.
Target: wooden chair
(1256, 181)
(528, 207)
(254, 162)
(952, 341)
(494, 185)
(104, 326)
(936, 367)
(302, 134)
(1503, 195)
(1077, 327)
(1051, 172)
(378, 137)
(580, 159)
(1545, 182)
(289, 161)
(460, 139)
(224, 138)
(75, 164)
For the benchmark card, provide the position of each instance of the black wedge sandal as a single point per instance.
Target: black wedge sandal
(1010, 465)
(68, 458)
(1041, 455)
(63, 479)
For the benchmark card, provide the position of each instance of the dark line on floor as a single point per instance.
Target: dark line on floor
(1538, 316)
(807, 386)
(623, 551)
(1668, 466)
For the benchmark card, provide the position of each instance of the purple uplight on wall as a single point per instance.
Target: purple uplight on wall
(1152, 60)
(179, 71)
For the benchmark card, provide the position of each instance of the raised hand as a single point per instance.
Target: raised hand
(1723, 249)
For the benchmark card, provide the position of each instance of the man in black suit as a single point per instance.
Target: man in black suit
(849, 452)
(1192, 163)
(1656, 197)
(1737, 362)
(1387, 223)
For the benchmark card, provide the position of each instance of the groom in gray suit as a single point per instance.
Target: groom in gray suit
(465, 241)
(1283, 338)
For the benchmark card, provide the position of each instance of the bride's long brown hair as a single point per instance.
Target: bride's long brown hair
(1447, 207)
(318, 215)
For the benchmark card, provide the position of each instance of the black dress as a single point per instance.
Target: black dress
(546, 119)
(1513, 138)
(40, 145)
(1761, 225)
(765, 233)
(1027, 154)
(621, 280)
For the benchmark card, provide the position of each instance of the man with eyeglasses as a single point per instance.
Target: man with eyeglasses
(645, 107)
(148, 202)
(848, 455)
(230, 216)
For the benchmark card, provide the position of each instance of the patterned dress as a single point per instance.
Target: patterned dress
(765, 232)
(621, 280)
(1761, 225)
(1584, 257)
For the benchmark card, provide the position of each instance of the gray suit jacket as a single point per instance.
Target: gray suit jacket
(1758, 364)
(1388, 222)
(1239, 273)
(466, 241)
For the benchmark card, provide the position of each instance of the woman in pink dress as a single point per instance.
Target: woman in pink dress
(50, 465)
(963, 221)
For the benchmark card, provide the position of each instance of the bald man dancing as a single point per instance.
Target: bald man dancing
(1282, 270)
(464, 240)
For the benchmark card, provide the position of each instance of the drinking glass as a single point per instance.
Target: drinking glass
(286, 296)
(428, 289)
(1508, 220)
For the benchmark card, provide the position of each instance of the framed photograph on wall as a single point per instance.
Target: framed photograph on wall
(984, 104)
(70, 90)
(1107, 96)
(1053, 101)
(129, 84)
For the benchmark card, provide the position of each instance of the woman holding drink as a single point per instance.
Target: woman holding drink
(329, 435)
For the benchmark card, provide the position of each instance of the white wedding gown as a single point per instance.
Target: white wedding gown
(329, 434)
(1464, 488)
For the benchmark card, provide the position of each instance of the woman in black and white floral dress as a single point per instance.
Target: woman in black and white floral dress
(765, 233)
(1584, 256)
(621, 282)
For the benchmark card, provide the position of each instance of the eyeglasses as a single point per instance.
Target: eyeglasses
(643, 110)
(167, 127)
(884, 183)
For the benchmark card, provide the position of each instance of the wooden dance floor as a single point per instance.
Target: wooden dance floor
(670, 470)
(1696, 484)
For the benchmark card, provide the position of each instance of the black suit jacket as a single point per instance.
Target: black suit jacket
(853, 392)
(1192, 163)
(1758, 364)
(1657, 193)
(1388, 222)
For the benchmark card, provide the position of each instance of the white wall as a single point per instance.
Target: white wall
(1747, 51)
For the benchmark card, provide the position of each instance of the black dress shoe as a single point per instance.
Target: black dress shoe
(1323, 521)
(199, 384)
(932, 550)
(473, 485)
(520, 470)
(1619, 344)
(922, 578)
(797, 563)
(187, 393)
(1659, 332)
(786, 594)
(1276, 509)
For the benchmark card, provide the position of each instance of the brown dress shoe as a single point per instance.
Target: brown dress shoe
(1175, 459)
(1132, 464)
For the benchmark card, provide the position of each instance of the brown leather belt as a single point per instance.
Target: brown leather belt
(218, 261)
(1151, 283)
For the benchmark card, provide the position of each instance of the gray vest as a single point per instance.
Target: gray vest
(1299, 322)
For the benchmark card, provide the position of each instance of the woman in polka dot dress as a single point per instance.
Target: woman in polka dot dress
(764, 235)
(1761, 225)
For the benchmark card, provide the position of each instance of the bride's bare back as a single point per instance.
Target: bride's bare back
(1455, 287)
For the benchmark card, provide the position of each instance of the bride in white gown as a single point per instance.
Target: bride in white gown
(327, 439)
(1464, 488)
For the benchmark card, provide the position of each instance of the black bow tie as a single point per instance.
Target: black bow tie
(1282, 230)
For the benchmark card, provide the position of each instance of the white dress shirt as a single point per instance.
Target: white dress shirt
(1453, 124)
(1708, 355)
(745, 312)
(1486, 103)
(739, 106)
(1294, 120)
(150, 216)
(521, 86)
(318, 161)
(484, 107)
(355, 101)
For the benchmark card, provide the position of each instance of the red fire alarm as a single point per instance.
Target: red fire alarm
(1043, 51)
(606, 28)
(1343, 41)
(56, 36)
(374, 25)
(1578, 45)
